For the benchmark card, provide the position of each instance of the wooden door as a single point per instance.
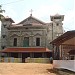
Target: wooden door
(26, 42)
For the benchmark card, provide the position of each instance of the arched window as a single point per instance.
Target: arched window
(37, 41)
(15, 42)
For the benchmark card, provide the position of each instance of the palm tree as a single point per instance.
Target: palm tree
(1, 11)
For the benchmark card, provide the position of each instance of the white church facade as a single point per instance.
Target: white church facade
(30, 36)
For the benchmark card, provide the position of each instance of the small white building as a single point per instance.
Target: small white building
(64, 51)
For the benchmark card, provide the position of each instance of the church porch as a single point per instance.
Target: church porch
(25, 53)
(27, 56)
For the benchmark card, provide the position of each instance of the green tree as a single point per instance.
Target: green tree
(1, 11)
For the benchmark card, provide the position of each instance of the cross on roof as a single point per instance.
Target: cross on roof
(31, 12)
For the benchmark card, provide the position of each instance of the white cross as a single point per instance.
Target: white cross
(31, 12)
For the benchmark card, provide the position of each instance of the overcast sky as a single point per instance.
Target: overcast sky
(42, 9)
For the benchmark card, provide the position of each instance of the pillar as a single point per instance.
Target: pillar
(43, 55)
(19, 55)
(31, 55)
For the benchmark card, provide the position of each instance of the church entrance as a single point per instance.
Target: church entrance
(26, 42)
(24, 56)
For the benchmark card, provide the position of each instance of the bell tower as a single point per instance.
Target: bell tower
(57, 28)
(5, 23)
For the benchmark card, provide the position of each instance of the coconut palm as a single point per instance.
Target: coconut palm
(1, 11)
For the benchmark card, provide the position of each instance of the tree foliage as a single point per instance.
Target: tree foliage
(1, 11)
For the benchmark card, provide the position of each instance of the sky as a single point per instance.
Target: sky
(18, 10)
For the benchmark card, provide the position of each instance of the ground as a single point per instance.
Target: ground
(27, 69)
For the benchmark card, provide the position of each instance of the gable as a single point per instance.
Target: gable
(31, 21)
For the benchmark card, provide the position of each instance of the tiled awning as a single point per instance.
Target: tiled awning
(22, 49)
(66, 36)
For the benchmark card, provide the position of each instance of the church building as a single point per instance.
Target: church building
(30, 37)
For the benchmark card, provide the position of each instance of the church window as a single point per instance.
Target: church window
(7, 19)
(26, 28)
(52, 23)
(57, 17)
(15, 42)
(58, 34)
(57, 24)
(4, 25)
(3, 47)
(37, 41)
(3, 36)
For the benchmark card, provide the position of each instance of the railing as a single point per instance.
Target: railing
(26, 60)
(37, 60)
(11, 60)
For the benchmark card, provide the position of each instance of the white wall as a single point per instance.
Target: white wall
(0, 40)
(65, 64)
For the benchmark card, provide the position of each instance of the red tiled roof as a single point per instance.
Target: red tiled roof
(32, 49)
(66, 36)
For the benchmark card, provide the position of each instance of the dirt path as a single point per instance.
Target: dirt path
(25, 69)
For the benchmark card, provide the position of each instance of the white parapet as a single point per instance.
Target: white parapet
(65, 64)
